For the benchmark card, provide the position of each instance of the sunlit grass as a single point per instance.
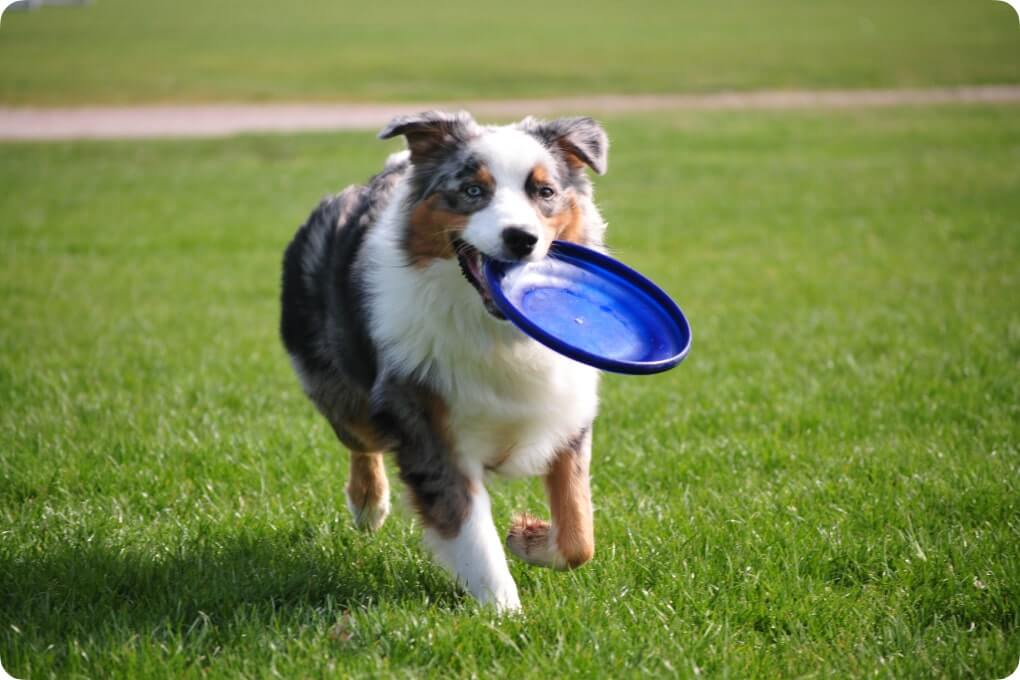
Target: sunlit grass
(828, 486)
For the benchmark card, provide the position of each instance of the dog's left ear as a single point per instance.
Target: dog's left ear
(581, 140)
(429, 133)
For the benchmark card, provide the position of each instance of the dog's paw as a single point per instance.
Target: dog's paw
(533, 540)
(505, 599)
(370, 515)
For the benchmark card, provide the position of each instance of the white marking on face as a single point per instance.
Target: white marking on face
(510, 155)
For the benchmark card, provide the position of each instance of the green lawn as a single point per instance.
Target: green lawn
(127, 51)
(829, 486)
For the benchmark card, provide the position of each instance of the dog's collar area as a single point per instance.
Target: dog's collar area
(470, 261)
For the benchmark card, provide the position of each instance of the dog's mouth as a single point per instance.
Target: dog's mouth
(471, 264)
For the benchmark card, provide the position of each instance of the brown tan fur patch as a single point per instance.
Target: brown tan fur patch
(429, 231)
(539, 175)
(567, 224)
(439, 416)
(432, 225)
(367, 486)
(358, 433)
(485, 178)
(366, 434)
(570, 504)
(570, 223)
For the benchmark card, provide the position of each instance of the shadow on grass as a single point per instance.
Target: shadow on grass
(222, 585)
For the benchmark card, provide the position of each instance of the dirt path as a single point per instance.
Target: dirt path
(216, 120)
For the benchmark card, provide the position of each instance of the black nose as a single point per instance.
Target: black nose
(519, 242)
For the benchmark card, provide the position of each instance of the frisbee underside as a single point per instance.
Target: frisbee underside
(593, 309)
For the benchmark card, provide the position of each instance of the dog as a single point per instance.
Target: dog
(394, 336)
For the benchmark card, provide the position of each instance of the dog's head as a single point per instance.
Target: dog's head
(506, 192)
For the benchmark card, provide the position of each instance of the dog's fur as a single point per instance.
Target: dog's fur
(394, 336)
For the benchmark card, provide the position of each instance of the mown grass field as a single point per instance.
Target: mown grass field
(129, 51)
(829, 486)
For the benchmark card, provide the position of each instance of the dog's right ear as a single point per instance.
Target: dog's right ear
(431, 132)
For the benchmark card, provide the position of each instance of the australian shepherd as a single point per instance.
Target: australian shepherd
(395, 338)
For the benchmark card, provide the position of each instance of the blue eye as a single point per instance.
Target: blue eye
(473, 191)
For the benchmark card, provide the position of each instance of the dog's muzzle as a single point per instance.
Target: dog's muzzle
(471, 263)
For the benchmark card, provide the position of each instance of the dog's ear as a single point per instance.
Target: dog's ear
(581, 140)
(431, 132)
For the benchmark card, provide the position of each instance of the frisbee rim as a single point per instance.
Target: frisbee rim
(496, 270)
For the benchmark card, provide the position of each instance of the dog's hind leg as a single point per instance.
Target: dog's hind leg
(569, 541)
(368, 491)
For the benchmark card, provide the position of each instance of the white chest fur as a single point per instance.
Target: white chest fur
(512, 402)
(514, 419)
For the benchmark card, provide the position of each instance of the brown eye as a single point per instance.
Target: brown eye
(546, 192)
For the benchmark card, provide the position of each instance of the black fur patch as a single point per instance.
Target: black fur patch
(442, 493)
(324, 327)
(323, 322)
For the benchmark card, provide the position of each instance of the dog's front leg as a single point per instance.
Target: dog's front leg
(452, 503)
(473, 552)
(569, 541)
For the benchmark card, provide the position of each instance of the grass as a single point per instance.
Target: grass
(130, 51)
(829, 486)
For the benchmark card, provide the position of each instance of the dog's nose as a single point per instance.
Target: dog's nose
(519, 242)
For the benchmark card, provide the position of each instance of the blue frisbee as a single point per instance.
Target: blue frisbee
(591, 308)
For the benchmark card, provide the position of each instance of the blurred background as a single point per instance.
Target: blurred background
(133, 51)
